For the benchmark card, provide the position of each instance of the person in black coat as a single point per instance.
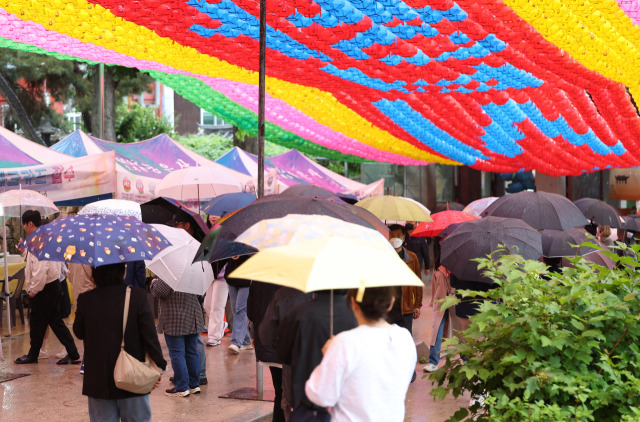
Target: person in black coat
(98, 323)
(419, 246)
(303, 333)
(260, 295)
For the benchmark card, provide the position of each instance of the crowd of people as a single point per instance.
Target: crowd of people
(359, 371)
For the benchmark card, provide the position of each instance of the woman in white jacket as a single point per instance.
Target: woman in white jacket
(365, 372)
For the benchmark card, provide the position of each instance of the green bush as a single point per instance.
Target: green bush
(564, 348)
(136, 123)
(209, 146)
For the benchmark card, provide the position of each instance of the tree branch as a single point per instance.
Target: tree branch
(14, 102)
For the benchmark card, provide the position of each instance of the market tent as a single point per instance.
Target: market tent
(65, 180)
(139, 164)
(294, 168)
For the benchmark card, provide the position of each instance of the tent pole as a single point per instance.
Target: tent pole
(261, 99)
(101, 100)
(6, 272)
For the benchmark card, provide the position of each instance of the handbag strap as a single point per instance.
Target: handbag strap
(127, 297)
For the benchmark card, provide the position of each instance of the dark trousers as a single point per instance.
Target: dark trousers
(45, 311)
(276, 377)
(405, 322)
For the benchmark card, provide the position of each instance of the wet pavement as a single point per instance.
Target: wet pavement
(53, 392)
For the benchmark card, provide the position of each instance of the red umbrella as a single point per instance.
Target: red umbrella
(442, 220)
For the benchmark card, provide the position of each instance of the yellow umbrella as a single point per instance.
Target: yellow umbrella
(329, 262)
(395, 208)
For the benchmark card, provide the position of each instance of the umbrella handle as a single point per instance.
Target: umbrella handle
(331, 316)
(167, 268)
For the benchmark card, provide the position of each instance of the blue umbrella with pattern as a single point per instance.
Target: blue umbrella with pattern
(95, 240)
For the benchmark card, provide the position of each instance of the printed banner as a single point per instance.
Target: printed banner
(73, 179)
(133, 187)
(624, 184)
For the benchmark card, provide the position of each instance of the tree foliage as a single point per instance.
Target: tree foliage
(214, 146)
(137, 123)
(549, 346)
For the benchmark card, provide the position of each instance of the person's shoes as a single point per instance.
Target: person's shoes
(213, 343)
(43, 354)
(82, 369)
(247, 347)
(25, 359)
(172, 392)
(204, 381)
(67, 360)
(61, 354)
(234, 349)
(195, 390)
(413, 378)
(430, 367)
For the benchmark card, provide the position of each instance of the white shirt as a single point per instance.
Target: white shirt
(365, 374)
(39, 273)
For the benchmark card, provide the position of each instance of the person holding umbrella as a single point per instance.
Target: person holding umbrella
(365, 372)
(182, 220)
(41, 282)
(99, 319)
(408, 299)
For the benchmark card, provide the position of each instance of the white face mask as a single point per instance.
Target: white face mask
(396, 242)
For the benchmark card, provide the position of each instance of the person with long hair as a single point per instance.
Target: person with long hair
(365, 372)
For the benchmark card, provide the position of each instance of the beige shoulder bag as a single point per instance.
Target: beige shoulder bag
(129, 373)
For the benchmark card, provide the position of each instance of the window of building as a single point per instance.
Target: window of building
(209, 119)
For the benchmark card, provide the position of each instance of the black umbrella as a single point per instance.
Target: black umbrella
(599, 212)
(629, 224)
(540, 210)
(163, 210)
(223, 249)
(559, 243)
(260, 210)
(307, 190)
(477, 239)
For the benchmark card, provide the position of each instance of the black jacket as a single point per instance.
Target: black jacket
(260, 295)
(99, 323)
(232, 264)
(420, 247)
(304, 331)
(468, 307)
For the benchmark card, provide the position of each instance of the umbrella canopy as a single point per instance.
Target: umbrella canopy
(282, 206)
(477, 239)
(113, 207)
(174, 264)
(227, 203)
(540, 210)
(599, 212)
(95, 240)
(223, 249)
(162, 210)
(329, 262)
(307, 190)
(559, 243)
(201, 182)
(17, 201)
(596, 257)
(295, 228)
(395, 208)
(629, 224)
(479, 205)
(441, 220)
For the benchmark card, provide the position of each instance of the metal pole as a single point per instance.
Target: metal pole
(101, 100)
(6, 272)
(261, 99)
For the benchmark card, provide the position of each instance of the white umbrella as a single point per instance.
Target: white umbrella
(119, 207)
(478, 206)
(12, 204)
(201, 182)
(174, 265)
